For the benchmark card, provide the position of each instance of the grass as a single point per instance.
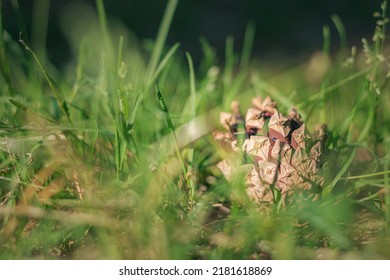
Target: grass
(113, 157)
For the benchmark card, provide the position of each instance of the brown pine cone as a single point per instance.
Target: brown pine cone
(283, 155)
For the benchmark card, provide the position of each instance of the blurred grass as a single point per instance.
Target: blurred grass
(89, 168)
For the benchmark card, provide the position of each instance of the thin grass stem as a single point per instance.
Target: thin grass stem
(54, 91)
(366, 175)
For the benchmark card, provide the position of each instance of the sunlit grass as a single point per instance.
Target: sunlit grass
(114, 157)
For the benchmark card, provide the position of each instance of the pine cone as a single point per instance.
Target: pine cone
(282, 154)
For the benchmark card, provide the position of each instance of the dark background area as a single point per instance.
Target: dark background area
(290, 27)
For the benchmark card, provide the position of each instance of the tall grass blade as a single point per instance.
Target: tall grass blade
(248, 45)
(327, 40)
(229, 64)
(192, 128)
(160, 41)
(79, 70)
(341, 31)
(386, 180)
(120, 52)
(109, 61)
(61, 103)
(40, 22)
(165, 61)
(171, 127)
(104, 27)
(209, 55)
(5, 70)
(325, 52)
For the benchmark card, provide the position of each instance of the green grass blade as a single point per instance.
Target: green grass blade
(229, 64)
(5, 70)
(104, 26)
(171, 127)
(40, 22)
(192, 128)
(192, 85)
(248, 45)
(348, 119)
(341, 31)
(370, 119)
(209, 55)
(135, 110)
(387, 184)
(26, 108)
(339, 175)
(160, 41)
(120, 52)
(79, 70)
(60, 102)
(327, 40)
(386, 173)
(120, 152)
(18, 104)
(323, 92)
(164, 61)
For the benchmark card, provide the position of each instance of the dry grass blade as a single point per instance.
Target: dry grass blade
(60, 216)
